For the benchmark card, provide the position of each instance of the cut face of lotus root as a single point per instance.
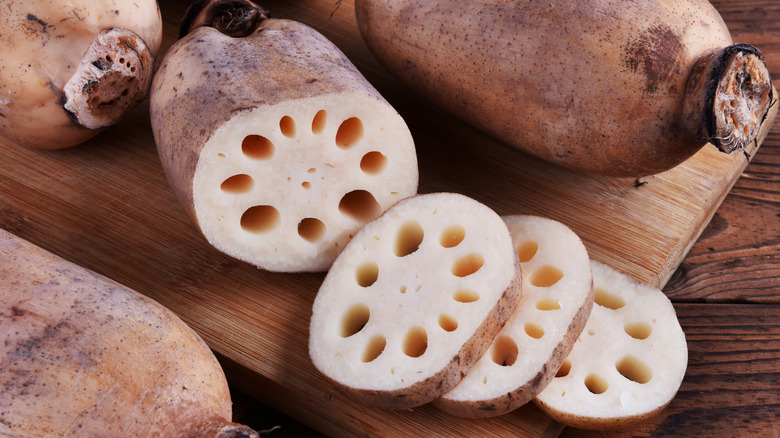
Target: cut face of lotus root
(285, 187)
(414, 300)
(628, 363)
(556, 301)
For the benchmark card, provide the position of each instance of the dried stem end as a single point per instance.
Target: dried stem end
(114, 75)
(217, 427)
(728, 97)
(234, 18)
(233, 430)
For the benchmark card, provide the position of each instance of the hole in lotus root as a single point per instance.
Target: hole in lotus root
(448, 323)
(354, 320)
(415, 342)
(311, 229)
(608, 300)
(237, 184)
(596, 384)
(408, 239)
(257, 147)
(467, 265)
(564, 370)
(504, 351)
(546, 276)
(260, 219)
(287, 125)
(367, 274)
(376, 345)
(534, 330)
(373, 163)
(634, 369)
(452, 236)
(465, 296)
(350, 131)
(548, 304)
(318, 123)
(360, 205)
(638, 330)
(527, 251)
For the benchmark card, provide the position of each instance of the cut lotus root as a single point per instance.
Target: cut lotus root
(413, 300)
(526, 353)
(628, 363)
(286, 187)
(274, 143)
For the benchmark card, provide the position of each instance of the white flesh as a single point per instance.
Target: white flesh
(629, 361)
(303, 180)
(557, 298)
(415, 290)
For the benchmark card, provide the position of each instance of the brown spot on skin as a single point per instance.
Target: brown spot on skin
(655, 53)
(536, 381)
(38, 348)
(129, 42)
(34, 22)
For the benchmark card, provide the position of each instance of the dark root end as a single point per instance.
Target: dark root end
(113, 77)
(234, 18)
(738, 98)
(727, 97)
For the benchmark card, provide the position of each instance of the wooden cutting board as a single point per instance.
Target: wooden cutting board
(107, 206)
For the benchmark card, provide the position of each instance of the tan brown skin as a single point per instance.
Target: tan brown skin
(280, 60)
(70, 69)
(586, 423)
(597, 87)
(82, 355)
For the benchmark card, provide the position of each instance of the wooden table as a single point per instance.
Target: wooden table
(107, 206)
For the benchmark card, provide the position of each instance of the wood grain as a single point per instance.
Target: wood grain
(106, 205)
(737, 258)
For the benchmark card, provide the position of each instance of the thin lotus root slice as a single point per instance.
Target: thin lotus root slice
(414, 300)
(628, 363)
(285, 187)
(557, 299)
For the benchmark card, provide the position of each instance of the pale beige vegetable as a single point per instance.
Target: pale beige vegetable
(82, 355)
(556, 302)
(617, 88)
(414, 300)
(628, 363)
(275, 144)
(70, 69)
